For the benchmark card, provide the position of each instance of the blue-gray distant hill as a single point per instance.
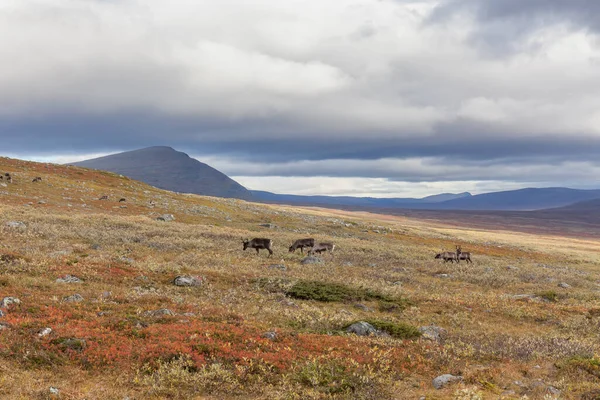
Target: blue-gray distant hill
(512, 200)
(354, 201)
(166, 168)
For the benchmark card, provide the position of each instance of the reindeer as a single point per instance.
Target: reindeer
(259, 243)
(37, 179)
(122, 200)
(301, 244)
(321, 247)
(447, 256)
(105, 197)
(460, 255)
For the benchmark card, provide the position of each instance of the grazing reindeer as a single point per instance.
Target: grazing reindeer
(105, 197)
(460, 255)
(122, 200)
(447, 256)
(259, 243)
(321, 247)
(301, 244)
(37, 179)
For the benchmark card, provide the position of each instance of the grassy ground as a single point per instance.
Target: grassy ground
(212, 345)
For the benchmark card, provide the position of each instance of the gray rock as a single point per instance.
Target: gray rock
(311, 260)
(553, 390)
(443, 275)
(512, 268)
(362, 328)
(4, 325)
(433, 333)
(69, 279)
(54, 391)
(363, 307)
(564, 285)
(45, 332)
(1, 314)
(444, 380)
(159, 313)
(186, 280)
(75, 298)
(16, 225)
(270, 226)
(270, 335)
(278, 266)
(166, 218)
(7, 301)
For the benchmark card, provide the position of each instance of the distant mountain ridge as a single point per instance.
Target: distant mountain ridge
(512, 200)
(166, 168)
(355, 201)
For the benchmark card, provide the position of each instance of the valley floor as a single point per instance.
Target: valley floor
(522, 321)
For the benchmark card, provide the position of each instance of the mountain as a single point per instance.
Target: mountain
(354, 201)
(521, 199)
(589, 206)
(511, 200)
(166, 168)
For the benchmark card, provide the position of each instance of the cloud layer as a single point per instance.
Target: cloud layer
(498, 91)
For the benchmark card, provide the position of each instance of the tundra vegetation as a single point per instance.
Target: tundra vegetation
(90, 308)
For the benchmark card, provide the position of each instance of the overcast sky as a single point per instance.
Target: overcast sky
(352, 97)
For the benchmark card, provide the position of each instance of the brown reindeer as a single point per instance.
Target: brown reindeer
(460, 255)
(122, 200)
(447, 256)
(37, 179)
(321, 247)
(301, 244)
(259, 243)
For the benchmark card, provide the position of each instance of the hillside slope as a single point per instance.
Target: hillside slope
(254, 327)
(169, 169)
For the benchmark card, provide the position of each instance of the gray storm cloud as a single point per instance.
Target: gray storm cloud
(475, 90)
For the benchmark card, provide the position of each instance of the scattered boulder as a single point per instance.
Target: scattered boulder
(433, 333)
(4, 325)
(54, 392)
(444, 380)
(1, 314)
(45, 332)
(159, 313)
(186, 280)
(277, 266)
(75, 298)
(270, 226)
(311, 260)
(270, 335)
(7, 301)
(363, 307)
(553, 390)
(512, 268)
(362, 328)
(443, 275)
(166, 218)
(16, 225)
(564, 285)
(69, 279)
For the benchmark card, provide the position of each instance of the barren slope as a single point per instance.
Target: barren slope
(506, 318)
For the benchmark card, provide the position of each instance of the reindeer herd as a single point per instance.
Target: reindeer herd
(267, 244)
(451, 256)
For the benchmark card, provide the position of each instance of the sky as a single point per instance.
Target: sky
(382, 98)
